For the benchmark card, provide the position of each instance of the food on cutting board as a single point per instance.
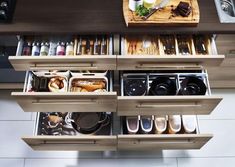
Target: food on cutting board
(88, 85)
(142, 45)
(57, 84)
(183, 9)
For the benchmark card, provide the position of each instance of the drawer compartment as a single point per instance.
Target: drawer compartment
(177, 103)
(151, 141)
(31, 101)
(76, 61)
(155, 58)
(102, 140)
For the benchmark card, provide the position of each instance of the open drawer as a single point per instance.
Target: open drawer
(88, 61)
(148, 104)
(31, 101)
(153, 57)
(154, 141)
(103, 140)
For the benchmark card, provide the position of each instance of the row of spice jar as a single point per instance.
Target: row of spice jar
(82, 45)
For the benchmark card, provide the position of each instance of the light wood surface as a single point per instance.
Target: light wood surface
(151, 62)
(72, 143)
(164, 16)
(86, 62)
(163, 141)
(155, 105)
(66, 102)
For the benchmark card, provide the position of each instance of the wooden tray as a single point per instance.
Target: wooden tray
(163, 17)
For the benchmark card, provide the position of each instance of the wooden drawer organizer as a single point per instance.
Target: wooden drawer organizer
(110, 102)
(160, 61)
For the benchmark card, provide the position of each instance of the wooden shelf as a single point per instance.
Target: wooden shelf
(96, 18)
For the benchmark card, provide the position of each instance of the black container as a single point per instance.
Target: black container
(135, 87)
(163, 86)
(193, 86)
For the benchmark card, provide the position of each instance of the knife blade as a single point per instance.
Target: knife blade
(156, 8)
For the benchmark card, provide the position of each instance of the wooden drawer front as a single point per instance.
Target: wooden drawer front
(155, 105)
(64, 102)
(72, 143)
(172, 141)
(94, 62)
(144, 62)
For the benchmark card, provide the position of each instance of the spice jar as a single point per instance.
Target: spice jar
(44, 49)
(27, 49)
(69, 49)
(60, 50)
(36, 49)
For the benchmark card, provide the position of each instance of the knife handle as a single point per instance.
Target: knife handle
(150, 13)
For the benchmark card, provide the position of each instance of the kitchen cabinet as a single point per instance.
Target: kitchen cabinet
(114, 101)
(223, 76)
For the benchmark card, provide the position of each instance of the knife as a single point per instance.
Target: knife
(154, 9)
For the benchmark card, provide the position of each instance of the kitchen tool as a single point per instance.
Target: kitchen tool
(192, 85)
(174, 124)
(88, 123)
(200, 43)
(132, 123)
(154, 9)
(146, 124)
(162, 86)
(160, 123)
(135, 87)
(189, 123)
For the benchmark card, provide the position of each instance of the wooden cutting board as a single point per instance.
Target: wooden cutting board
(163, 17)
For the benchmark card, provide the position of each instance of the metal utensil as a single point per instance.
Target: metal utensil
(156, 8)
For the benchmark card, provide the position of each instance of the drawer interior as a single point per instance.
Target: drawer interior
(77, 52)
(74, 100)
(143, 100)
(152, 140)
(55, 131)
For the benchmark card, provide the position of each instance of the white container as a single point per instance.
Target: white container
(132, 124)
(160, 124)
(133, 4)
(146, 124)
(174, 124)
(189, 123)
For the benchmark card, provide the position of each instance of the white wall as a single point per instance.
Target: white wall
(220, 151)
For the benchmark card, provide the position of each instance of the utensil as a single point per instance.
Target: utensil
(156, 8)
(88, 123)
